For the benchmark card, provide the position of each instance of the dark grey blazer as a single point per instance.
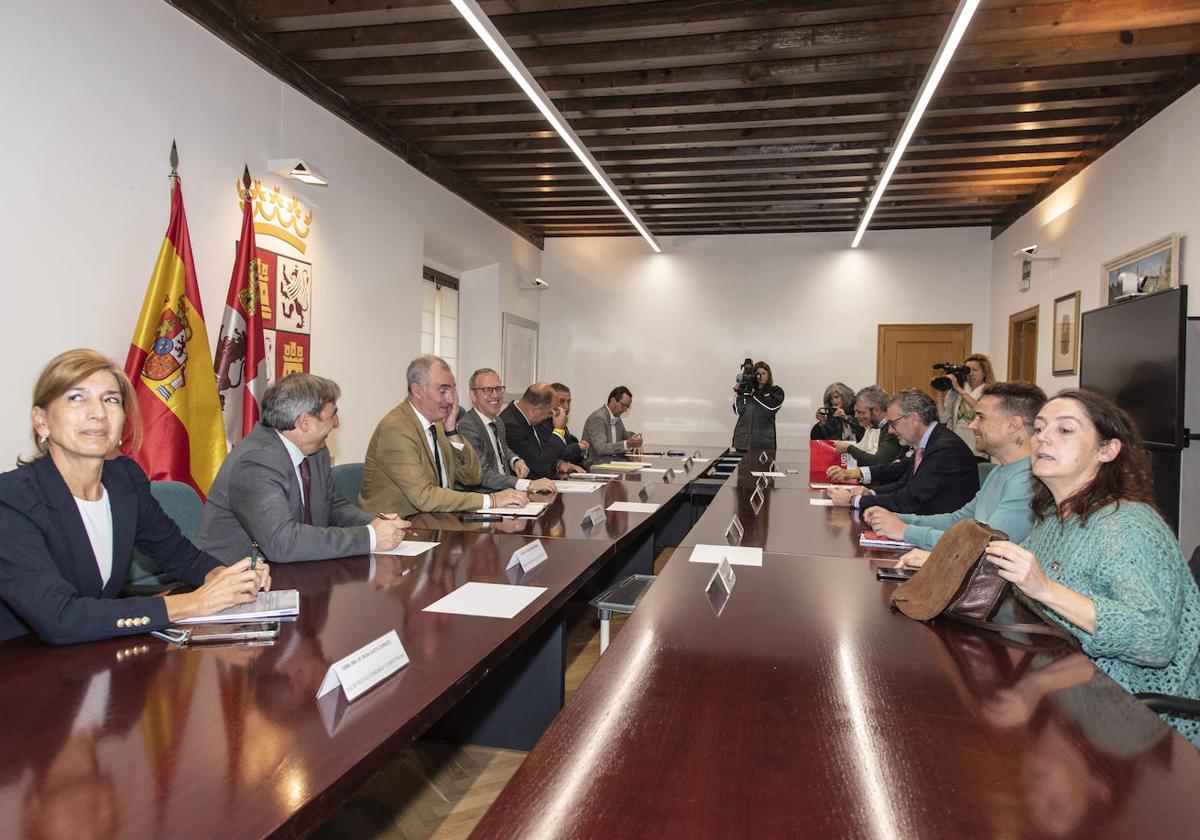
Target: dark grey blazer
(256, 497)
(595, 432)
(471, 426)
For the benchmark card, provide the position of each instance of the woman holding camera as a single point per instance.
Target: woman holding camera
(756, 411)
(835, 418)
(956, 408)
(1100, 559)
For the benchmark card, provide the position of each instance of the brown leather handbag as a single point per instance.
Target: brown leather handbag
(958, 581)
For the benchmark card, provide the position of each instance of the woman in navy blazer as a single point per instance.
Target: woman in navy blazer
(51, 580)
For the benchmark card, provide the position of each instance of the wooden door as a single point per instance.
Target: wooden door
(907, 353)
(1022, 345)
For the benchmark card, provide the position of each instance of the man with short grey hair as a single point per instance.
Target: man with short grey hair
(483, 428)
(276, 487)
(417, 454)
(877, 445)
(938, 475)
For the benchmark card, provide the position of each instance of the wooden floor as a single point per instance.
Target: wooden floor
(440, 791)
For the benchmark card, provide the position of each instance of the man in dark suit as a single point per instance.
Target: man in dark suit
(485, 431)
(523, 421)
(870, 410)
(938, 475)
(576, 450)
(276, 487)
(605, 432)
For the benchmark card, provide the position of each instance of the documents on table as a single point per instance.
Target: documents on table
(627, 466)
(869, 539)
(280, 603)
(530, 510)
(408, 548)
(576, 486)
(821, 502)
(655, 470)
(634, 507)
(491, 600)
(736, 555)
(594, 476)
(765, 474)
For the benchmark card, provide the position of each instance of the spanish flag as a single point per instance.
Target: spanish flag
(169, 365)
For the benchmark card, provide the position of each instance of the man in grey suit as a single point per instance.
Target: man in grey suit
(604, 431)
(276, 487)
(481, 428)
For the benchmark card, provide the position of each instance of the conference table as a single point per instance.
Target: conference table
(801, 705)
(137, 738)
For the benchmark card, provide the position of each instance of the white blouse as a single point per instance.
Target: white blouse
(97, 521)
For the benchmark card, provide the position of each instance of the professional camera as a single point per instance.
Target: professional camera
(959, 372)
(747, 380)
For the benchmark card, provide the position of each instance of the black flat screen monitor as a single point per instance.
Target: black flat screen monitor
(1134, 352)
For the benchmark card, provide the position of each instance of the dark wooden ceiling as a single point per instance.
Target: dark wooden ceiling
(733, 116)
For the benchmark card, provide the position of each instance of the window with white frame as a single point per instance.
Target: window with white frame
(439, 316)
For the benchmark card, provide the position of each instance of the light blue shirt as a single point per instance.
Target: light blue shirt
(1002, 502)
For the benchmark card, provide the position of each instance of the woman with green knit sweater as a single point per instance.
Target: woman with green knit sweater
(1100, 559)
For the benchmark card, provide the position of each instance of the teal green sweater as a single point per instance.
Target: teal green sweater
(1002, 502)
(1127, 561)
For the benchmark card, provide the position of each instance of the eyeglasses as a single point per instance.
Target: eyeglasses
(891, 426)
(491, 392)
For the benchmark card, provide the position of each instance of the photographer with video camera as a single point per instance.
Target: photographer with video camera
(758, 400)
(958, 389)
(834, 420)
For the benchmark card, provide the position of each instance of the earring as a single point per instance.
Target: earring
(44, 439)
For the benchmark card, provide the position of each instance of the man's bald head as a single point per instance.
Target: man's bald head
(535, 402)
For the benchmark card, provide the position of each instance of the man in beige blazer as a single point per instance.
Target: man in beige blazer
(417, 454)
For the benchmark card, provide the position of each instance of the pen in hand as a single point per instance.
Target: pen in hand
(253, 556)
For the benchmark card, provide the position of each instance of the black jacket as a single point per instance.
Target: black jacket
(49, 581)
(947, 480)
(755, 427)
(540, 452)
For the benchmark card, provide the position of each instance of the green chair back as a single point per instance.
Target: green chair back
(348, 478)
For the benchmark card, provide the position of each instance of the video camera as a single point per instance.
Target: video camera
(943, 383)
(747, 380)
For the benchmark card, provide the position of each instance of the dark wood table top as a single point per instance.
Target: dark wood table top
(564, 516)
(145, 740)
(786, 523)
(808, 708)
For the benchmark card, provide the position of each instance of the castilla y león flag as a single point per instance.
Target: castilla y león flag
(240, 362)
(168, 363)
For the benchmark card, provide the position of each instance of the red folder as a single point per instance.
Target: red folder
(822, 456)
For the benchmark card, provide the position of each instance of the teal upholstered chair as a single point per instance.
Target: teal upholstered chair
(348, 478)
(181, 503)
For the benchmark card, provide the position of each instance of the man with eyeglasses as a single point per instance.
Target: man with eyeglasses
(484, 430)
(605, 432)
(938, 475)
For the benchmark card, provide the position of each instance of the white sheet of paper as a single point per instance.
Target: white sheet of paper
(491, 600)
(408, 548)
(531, 509)
(701, 460)
(821, 502)
(822, 486)
(594, 477)
(627, 466)
(737, 555)
(577, 486)
(768, 474)
(655, 470)
(634, 507)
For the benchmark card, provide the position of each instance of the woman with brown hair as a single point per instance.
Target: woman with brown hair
(1100, 559)
(72, 516)
(755, 428)
(956, 408)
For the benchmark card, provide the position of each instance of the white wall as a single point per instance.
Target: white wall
(675, 326)
(1146, 187)
(85, 205)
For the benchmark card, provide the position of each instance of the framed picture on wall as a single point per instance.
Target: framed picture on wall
(519, 342)
(1151, 268)
(1065, 335)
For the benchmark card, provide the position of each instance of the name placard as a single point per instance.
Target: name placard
(669, 474)
(594, 516)
(735, 531)
(774, 466)
(644, 493)
(528, 557)
(720, 587)
(696, 454)
(368, 666)
(687, 465)
(762, 457)
(761, 483)
(756, 500)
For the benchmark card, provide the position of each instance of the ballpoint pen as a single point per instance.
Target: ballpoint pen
(253, 556)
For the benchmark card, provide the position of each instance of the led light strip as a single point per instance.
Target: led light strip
(954, 35)
(495, 42)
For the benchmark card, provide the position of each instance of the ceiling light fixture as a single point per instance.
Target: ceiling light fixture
(954, 35)
(495, 42)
